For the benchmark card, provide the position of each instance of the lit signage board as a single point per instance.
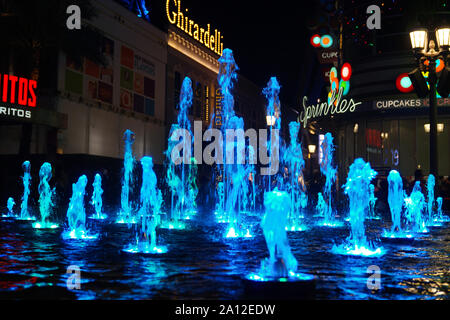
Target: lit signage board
(408, 103)
(17, 95)
(179, 18)
(335, 105)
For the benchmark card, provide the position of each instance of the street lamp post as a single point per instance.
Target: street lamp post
(419, 45)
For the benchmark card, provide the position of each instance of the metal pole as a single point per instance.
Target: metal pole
(433, 120)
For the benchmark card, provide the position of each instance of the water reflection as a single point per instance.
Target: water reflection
(201, 263)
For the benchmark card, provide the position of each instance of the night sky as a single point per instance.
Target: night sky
(268, 37)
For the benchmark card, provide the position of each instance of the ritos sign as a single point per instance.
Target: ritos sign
(16, 93)
(178, 17)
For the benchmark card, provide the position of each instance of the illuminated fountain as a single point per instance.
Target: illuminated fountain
(226, 77)
(10, 206)
(46, 195)
(238, 174)
(26, 179)
(233, 175)
(273, 112)
(293, 157)
(281, 264)
(415, 205)
(252, 177)
(181, 177)
(96, 199)
(396, 200)
(220, 204)
(192, 192)
(76, 213)
(327, 169)
(431, 221)
(321, 206)
(357, 189)
(126, 214)
(149, 215)
(372, 201)
(439, 214)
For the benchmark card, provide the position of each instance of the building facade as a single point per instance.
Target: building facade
(388, 127)
(89, 105)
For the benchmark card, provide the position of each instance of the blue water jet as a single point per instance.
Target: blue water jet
(357, 188)
(96, 199)
(372, 202)
(293, 158)
(26, 180)
(430, 199)
(237, 175)
(232, 175)
(327, 169)
(126, 214)
(76, 212)
(415, 205)
(273, 113)
(226, 78)
(281, 264)
(439, 213)
(149, 215)
(396, 200)
(182, 178)
(46, 195)
(10, 206)
(321, 206)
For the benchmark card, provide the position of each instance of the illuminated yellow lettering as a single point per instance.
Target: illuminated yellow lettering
(215, 48)
(179, 17)
(174, 20)
(190, 27)
(202, 31)
(207, 35)
(196, 35)
(180, 23)
(211, 43)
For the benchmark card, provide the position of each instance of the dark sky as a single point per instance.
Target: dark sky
(267, 37)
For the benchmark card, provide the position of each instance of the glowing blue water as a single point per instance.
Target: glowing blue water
(126, 214)
(415, 205)
(293, 158)
(238, 175)
(26, 179)
(76, 212)
(357, 189)
(396, 200)
(439, 214)
(281, 264)
(234, 176)
(149, 216)
(273, 111)
(226, 78)
(321, 206)
(182, 178)
(430, 199)
(46, 195)
(327, 169)
(372, 202)
(10, 206)
(96, 199)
